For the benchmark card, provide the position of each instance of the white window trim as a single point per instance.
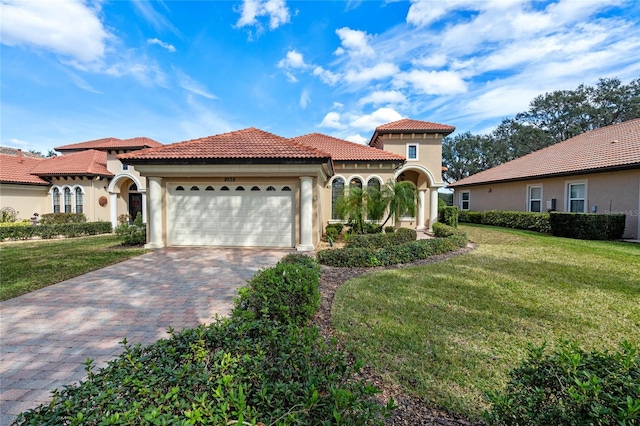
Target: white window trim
(535, 185)
(567, 189)
(468, 201)
(417, 151)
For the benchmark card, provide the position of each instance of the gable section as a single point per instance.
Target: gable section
(341, 150)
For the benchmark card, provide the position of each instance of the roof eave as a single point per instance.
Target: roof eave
(191, 161)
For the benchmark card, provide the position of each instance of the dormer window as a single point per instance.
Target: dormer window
(125, 167)
(412, 151)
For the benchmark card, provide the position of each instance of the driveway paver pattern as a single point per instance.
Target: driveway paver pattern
(47, 335)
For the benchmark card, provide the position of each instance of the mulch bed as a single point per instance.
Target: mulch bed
(411, 410)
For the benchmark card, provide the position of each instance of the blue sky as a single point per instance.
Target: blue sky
(177, 70)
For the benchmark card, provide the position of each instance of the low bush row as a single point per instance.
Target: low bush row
(588, 226)
(132, 235)
(391, 255)
(571, 387)
(376, 241)
(58, 218)
(529, 221)
(440, 230)
(449, 215)
(69, 230)
(262, 366)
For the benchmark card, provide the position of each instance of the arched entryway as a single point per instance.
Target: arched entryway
(422, 178)
(128, 197)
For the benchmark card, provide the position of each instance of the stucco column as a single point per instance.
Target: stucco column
(113, 207)
(421, 208)
(306, 214)
(433, 207)
(155, 213)
(144, 207)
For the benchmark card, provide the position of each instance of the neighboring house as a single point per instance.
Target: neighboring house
(87, 179)
(597, 171)
(254, 188)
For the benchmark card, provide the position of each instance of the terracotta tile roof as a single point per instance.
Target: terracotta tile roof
(341, 150)
(84, 163)
(244, 144)
(611, 147)
(111, 143)
(14, 170)
(14, 151)
(407, 125)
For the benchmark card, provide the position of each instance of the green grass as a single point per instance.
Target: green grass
(450, 331)
(28, 266)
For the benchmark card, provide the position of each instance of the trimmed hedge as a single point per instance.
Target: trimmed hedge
(58, 218)
(588, 226)
(571, 387)
(261, 366)
(376, 241)
(392, 255)
(529, 221)
(287, 293)
(69, 230)
(440, 230)
(449, 215)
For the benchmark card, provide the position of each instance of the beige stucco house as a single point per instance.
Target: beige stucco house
(597, 171)
(87, 179)
(254, 188)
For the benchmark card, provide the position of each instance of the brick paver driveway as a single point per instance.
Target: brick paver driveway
(46, 335)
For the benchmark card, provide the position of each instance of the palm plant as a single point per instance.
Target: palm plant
(352, 206)
(399, 197)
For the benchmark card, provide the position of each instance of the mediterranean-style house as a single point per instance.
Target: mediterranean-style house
(595, 172)
(247, 188)
(87, 179)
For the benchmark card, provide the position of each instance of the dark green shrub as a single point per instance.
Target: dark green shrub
(440, 230)
(402, 236)
(587, 226)
(287, 293)
(301, 260)
(337, 226)
(391, 255)
(132, 235)
(571, 387)
(58, 218)
(389, 229)
(474, 217)
(529, 221)
(450, 216)
(229, 372)
(462, 216)
(332, 233)
(372, 228)
(441, 204)
(68, 230)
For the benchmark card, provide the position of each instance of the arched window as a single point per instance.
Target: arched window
(240, 188)
(355, 183)
(179, 188)
(337, 186)
(56, 200)
(224, 188)
(67, 200)
(195, 188)
(270, 188)
(133, 187)
(286, 188)
(373, 183)
(209, 188)
(255, 188)
(79, 201)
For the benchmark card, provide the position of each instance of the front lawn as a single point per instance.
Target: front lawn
(450, 331)
(28, 266)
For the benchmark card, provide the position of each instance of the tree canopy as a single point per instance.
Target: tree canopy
(551, 118)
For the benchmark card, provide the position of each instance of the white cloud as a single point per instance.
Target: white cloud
(432, 82)
(326, 76)
(294, 59)
(68, 28)
(332, 120)
(193, 86)
(354, 43)
(436, 60)
(383, 97)
(338, 105)
(357, 138)
(501, 101)
(157, 20)
(18, 143)
(169, 47)
(305, 98)
(377, 72)
(276, 10)
(368, 122)
(425, 12)
(290, 77)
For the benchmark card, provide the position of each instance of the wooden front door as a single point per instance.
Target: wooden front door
(135, 205)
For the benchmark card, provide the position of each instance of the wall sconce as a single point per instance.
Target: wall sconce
(489, 190)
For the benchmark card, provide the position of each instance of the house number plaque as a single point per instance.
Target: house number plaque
(229, 179)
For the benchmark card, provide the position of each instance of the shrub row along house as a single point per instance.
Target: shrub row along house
(244, 188)
(595, 172)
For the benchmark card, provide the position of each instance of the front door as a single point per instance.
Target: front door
(135, 205)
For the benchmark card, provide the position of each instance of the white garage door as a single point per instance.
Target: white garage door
(230, 215)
